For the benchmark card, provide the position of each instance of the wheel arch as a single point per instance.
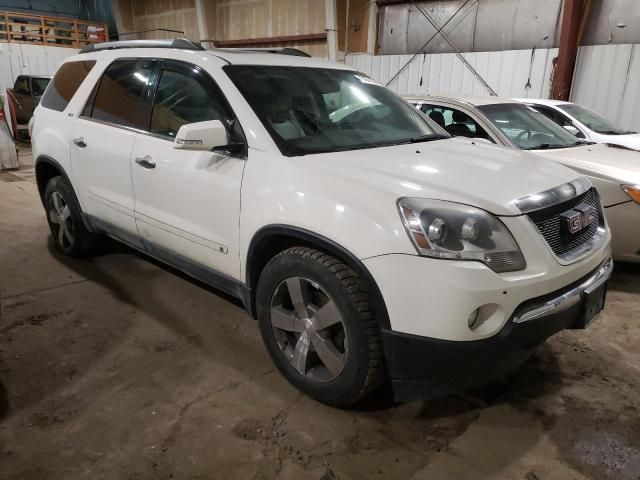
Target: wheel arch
(46, 168)
(273, 239)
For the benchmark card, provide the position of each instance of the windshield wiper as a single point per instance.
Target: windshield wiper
(545, 146)
(427, 138)
(609, 132)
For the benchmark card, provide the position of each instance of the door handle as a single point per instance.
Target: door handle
(146, 162)
(79, 142)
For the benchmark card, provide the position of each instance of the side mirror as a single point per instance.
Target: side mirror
(208, 135)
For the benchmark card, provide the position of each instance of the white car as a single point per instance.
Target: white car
(615, 172)
(376, 248)
(585, 123)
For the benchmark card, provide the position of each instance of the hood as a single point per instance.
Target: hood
(602, 161)
(631, 141)
(457, 169)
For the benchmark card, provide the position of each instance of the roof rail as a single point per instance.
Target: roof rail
(279, 50)
(181, 43)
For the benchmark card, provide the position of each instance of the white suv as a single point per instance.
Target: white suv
(368, 244)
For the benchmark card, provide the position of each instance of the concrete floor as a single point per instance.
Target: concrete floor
(118, 368)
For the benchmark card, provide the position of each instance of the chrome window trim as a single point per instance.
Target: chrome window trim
(125, 127)
(570, 298)
(553, 196)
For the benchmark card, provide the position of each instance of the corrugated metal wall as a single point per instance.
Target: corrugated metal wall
(607, 80)
(511, 73)
(17, 59)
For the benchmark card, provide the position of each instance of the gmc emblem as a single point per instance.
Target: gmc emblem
(579, 218)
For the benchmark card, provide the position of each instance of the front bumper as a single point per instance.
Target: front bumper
(422, 367)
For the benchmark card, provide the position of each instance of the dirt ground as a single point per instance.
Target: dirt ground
(119, 368)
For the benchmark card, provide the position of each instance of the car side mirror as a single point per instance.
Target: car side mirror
(207, 135)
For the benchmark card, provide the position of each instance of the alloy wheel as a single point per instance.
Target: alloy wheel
(60, 217)
(309, 329)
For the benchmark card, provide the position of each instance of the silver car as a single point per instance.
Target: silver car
(615, 171)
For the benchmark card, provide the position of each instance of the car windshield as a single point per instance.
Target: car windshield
(39, 85)
(313, 110)
(527, 128)
(592, 120)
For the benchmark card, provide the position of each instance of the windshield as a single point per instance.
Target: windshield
(527, 128)
(312, 110)
(592, 120)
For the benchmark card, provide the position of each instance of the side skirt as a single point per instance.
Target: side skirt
(208, 276)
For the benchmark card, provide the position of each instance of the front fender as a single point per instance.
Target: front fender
(361, 218)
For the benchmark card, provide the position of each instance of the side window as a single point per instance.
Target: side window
(553, 115)
(65, 83)
(38, 86)
(186, 97)
(455, 122)
(118, 98)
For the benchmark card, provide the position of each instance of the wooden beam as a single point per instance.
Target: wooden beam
(247, 42)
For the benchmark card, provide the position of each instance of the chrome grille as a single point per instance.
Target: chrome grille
(549, 223)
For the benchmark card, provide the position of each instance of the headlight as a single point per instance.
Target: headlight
(633, 191)
(459, 232)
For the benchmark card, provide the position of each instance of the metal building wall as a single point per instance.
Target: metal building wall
(17, 59)
(606, 79)
(491, 25)
(242, 19)
(140, 15)
(485, 25)
(511, 73)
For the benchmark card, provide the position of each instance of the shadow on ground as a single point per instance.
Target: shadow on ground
(4, 401)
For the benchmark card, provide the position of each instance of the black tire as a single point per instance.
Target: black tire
(363, 361)
(81, 242)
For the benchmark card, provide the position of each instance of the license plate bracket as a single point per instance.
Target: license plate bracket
(592, 304)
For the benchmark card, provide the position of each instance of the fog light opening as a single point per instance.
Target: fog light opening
(474, 319)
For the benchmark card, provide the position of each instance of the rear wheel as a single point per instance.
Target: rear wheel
(65, 220)
(316, 323)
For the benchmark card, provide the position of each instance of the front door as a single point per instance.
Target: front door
(188, 202)
(103, 138)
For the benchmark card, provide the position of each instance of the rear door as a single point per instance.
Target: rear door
(103, 139)
(188, 202)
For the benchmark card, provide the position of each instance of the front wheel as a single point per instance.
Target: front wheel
(317, 325)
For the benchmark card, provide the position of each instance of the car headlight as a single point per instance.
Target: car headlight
(455, 231)
(633, 191)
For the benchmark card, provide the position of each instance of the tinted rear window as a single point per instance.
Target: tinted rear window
(65, 83)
